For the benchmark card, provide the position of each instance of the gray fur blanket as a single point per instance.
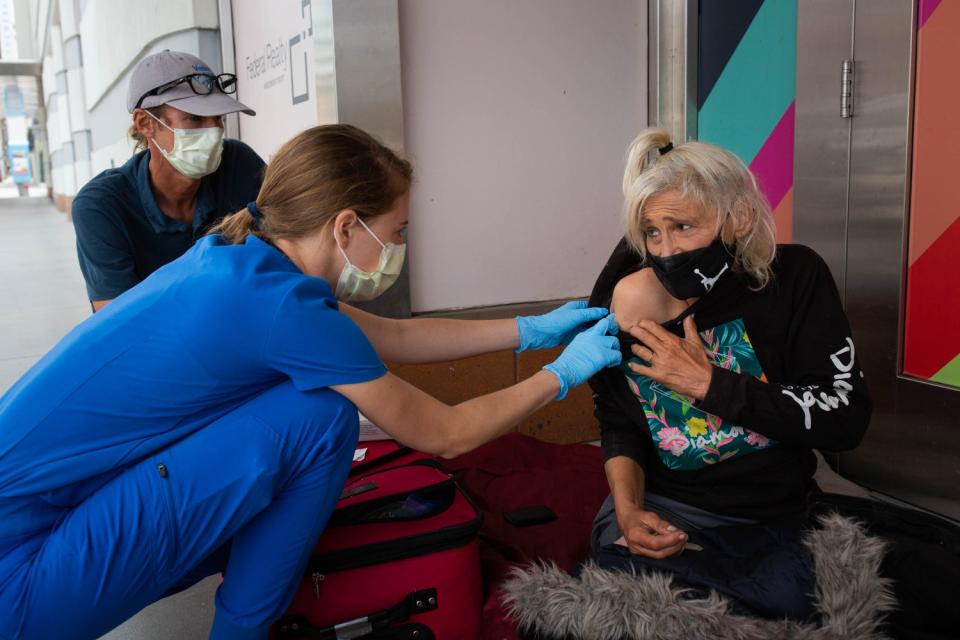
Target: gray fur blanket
(851, 598)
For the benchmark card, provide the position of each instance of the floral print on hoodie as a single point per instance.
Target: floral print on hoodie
(686, 437)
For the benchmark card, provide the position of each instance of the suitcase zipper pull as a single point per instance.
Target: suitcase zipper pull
(317, 579)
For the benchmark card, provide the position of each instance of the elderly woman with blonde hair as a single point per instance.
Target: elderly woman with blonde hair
(738, 357)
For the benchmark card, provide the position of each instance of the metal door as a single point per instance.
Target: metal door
(852, 179)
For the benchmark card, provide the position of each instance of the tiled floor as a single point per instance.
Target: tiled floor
(43, 298)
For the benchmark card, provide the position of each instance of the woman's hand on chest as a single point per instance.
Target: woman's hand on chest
(681, 364)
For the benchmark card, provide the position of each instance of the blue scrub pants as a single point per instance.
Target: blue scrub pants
(249, 495)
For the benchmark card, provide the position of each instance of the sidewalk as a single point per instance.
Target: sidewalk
(41, 288)
(44, 297)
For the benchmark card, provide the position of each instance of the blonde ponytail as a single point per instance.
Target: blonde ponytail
(638, 156)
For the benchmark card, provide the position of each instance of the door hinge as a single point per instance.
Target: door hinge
(846, 89)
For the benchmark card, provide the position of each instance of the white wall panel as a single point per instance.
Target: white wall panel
(518, 116)
(77, 108)
(81, 170)
(56, 46)
(41, 16)
(68, 19)
(53, 130)
(277, 68)
(49, 77)
(115, 32)
(56, 179)
(64, 131)
(111, 155)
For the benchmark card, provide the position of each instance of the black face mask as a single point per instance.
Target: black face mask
(692, 274)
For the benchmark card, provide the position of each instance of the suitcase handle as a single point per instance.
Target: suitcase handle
(415, 603)
(363, 467)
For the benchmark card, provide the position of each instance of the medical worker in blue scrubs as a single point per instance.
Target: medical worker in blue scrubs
(205, 420)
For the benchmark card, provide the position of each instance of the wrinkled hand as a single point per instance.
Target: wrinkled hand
(680, 364)
(647, 534)
(557, 327)
(589, 352)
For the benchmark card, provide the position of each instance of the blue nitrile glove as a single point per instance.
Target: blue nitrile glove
(557, 327)
(589, 352)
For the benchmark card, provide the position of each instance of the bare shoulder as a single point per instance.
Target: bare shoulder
(640, 296)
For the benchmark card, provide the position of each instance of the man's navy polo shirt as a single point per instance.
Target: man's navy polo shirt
(122, 236)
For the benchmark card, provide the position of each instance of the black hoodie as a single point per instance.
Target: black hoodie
(785, 380)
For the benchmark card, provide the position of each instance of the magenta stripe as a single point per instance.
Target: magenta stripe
(926, 9)
(773, 164)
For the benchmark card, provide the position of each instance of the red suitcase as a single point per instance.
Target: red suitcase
(399, 559)
(378, 454)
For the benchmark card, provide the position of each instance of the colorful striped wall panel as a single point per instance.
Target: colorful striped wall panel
(746, 90)
(932, 328)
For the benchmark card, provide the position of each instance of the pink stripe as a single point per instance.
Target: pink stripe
(926, 9)
(773, 164)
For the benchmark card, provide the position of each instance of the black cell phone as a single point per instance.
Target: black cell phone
(529, 516)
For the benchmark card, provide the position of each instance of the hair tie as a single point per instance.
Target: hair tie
(666, 149)
(254, 213)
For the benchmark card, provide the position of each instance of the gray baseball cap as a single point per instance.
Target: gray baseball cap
(160, 68)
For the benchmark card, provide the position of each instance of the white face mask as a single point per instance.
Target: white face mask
(357, 285)
(196, 152)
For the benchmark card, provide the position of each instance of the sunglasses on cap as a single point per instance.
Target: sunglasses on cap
(202, 84)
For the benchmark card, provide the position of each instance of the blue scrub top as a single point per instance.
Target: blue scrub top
(196, 339)
(123, 236)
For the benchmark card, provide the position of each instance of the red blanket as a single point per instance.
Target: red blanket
(517, 471)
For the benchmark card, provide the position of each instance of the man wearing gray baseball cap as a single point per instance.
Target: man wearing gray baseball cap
(184, 178)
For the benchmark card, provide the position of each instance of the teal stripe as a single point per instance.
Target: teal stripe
(757, 85)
